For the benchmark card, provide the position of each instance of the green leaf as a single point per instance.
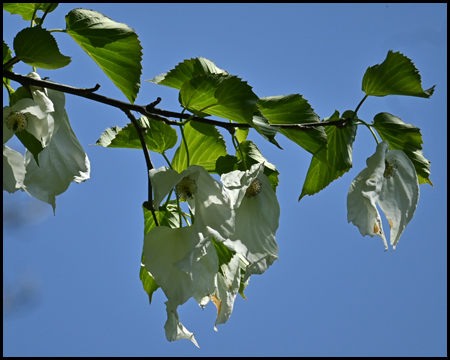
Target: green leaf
(242, 133)
(148, 282)
(252, 156)
(187, 70)
(6, 57)
(6, 54)
(405, 137)
(205, 145)
(294, 109)
(20, 93)
(31, 143)
(37, 47)
(166, 217)
(26, 10)
(226, 164)
(339, 155)
(159, 136)
(115, 47)
(397, 75)
(223, 95)
(223, 253)
(263, 127)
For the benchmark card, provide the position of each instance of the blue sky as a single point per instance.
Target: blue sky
(74, 277)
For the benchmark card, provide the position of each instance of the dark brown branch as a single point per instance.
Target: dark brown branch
(155, 113)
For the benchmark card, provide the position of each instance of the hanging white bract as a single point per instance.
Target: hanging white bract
(389, 180)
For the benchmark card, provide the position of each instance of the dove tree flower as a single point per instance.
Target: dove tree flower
(62, 159)
(243, 214)
(389, 180)
(183, 261)
(35, 116)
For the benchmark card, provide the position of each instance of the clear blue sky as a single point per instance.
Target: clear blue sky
(75, 276)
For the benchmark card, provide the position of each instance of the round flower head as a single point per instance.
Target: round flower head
(186, 188)
(23, 115)
(16, 121)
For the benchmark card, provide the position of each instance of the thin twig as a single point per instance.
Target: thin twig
(148, 204)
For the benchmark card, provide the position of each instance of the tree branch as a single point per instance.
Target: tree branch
(155, 113)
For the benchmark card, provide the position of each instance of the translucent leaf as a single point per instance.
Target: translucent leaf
(225, 96)
(396, 75)
(294, 109)
(242, 133)
(114, 46)
(205, 145)
(26, 10)
(405, 137)
(252, 156)
(339, 155)
(159, 136)
(37, 47)
(187, 70)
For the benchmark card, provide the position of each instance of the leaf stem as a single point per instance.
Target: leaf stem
(362, 121)
(359, 105)
(237, 146)
(167, 160)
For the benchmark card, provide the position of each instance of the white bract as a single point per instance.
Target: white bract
(257, 214)
(389, 180)
(36, 115)
(213, 215)
(13, 170)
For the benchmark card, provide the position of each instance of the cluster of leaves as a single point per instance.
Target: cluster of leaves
(204, 91)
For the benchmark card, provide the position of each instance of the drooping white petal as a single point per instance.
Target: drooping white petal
(174, 328)
(256, 219)
(178, 261)
(60, 163)
(227, 287)
(13, 170)
(213, 214)
(400, 193)
(40, 123)
(204, 261)
(163, 181)
(364, 193)
(40, 94)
